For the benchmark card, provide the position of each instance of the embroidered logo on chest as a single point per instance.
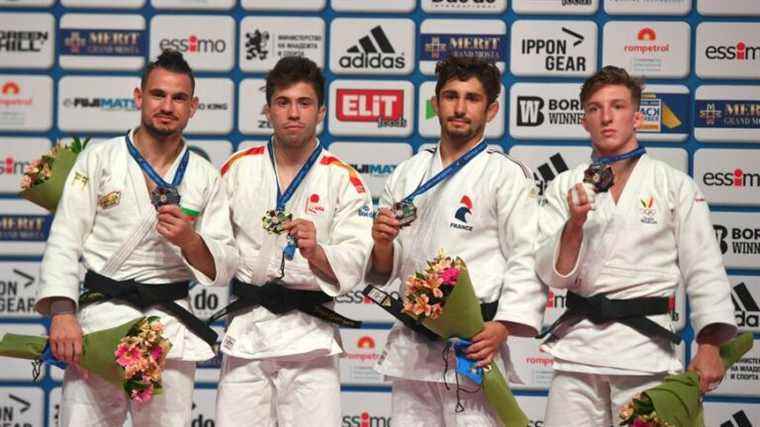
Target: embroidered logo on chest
(313, 206)
(109, 200)
(463, 214)
(648, 211)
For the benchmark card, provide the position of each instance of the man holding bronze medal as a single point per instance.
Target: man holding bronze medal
(302, 220)
(620, 235)
(146, 216)
(474, 203)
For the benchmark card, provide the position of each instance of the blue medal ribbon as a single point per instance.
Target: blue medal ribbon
(447, 172)
(152, 174)
(608, 160)
(283, 197)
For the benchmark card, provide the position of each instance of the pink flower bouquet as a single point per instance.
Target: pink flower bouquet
(442, 298)
(44, 178)
(130, 356)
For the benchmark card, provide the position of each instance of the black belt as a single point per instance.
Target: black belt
(142, 296)
(395, 307)
(630, 312)
(279, 300)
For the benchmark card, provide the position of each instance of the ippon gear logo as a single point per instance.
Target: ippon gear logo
(745, 307)
(736, 178)
(739, 52)
(194, 44)
(373, 51)
(365, 420)
(739, 419)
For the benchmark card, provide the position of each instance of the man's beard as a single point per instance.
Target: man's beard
(460, 135)
(157, 132)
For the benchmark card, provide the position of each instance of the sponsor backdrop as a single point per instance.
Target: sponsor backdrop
(68, 67)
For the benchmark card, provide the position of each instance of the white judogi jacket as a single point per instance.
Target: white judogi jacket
(657, 234)
(105, 202)
(496, 197)
(334, 198)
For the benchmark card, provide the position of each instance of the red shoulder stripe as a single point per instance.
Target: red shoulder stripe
(253, 151)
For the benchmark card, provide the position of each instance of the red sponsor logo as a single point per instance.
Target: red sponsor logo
(369, 105)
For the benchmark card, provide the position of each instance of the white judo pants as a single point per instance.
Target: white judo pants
(95, 402)
(431, 404)
(592, 400)
(278, 392)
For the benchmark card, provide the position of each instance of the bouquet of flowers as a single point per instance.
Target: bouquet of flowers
(676, 402)
(131, 355)
(43, 179)
(443, 300)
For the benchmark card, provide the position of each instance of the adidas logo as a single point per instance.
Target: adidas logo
(546, 172)
(741, 420)
(745, 306)
(373, 51)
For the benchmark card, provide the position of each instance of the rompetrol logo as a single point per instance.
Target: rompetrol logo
(373, 51)
(739, 52)
(736, 178)
(366, 342)
(365, 420)
(647, 36)
(194, 44)
(10, 88)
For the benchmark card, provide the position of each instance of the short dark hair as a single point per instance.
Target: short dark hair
(169, 60)
(464, 68)
(290, 70)
(611, 75)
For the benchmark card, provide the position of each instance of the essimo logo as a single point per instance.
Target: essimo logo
(373, 50)
(11, 166)
(194, 44)
(739, 51)
(736, 178)
(365, 420)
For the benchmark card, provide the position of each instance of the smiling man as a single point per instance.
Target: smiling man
(484, 211)
(146, 216)
(302, 221)
(621, 253)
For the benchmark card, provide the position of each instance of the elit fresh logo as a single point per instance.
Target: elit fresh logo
(373, 51)
(745, 306)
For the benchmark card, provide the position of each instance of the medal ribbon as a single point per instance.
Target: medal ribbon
(608, 160)
(152, 174)
(283, 198)
(447, 172)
